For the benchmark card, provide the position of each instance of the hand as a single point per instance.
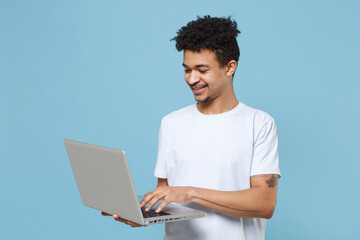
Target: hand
(127, 222)
(167, 194)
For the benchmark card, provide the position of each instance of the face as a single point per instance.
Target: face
(207, 80)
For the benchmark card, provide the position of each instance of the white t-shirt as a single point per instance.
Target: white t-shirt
(217, 152)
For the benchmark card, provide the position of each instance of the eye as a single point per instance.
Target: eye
(203, 71)
(187, 70)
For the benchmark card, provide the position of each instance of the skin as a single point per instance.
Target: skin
(212, 86)
(259, 201)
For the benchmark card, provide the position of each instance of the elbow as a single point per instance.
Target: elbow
(268, 215)
(268, 210)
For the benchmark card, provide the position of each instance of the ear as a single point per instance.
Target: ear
(230, 68)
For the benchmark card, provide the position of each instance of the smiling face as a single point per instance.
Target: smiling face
(207, 80)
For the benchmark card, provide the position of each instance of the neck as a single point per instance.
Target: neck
(218, 105)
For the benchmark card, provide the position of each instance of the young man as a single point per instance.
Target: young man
(217, 155)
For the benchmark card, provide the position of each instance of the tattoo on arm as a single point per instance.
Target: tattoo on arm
(271, 182)
(242, 210)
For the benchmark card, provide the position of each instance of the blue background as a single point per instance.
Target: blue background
(105, 72)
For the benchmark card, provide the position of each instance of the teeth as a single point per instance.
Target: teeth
(200, 87)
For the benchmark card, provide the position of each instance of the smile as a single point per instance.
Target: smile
(198, 89)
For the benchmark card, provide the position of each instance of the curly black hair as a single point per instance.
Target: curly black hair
(213, 33)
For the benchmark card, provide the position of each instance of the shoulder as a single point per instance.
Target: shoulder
(177, 120)
(256, 118)
(257, 114)
(179, 115)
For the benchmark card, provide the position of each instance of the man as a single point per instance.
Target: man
(218, 155)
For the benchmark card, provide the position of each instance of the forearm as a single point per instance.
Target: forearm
(256, 202)
(252, 202)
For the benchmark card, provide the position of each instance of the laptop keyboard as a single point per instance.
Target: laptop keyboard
(152, 213)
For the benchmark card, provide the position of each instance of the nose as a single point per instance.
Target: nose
(192, 77)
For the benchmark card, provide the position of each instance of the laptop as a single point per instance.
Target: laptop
(104, 181)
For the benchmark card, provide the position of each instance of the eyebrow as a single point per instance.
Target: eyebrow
(197, 66)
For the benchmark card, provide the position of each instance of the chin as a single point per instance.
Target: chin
(207, 99)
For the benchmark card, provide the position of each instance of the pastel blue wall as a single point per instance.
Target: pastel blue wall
(105, 72)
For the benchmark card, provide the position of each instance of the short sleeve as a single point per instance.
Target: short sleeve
(160, 168)
(265, 153)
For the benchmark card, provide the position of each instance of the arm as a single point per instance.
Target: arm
(257, 201)
(162, 182)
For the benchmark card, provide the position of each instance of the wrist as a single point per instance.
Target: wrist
(192, 193)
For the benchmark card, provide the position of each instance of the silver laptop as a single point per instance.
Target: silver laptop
(104, 181)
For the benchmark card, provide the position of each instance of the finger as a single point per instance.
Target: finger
(124, 221)
(154, 200)
(147, 198)
(137, 225)
(133, 224)
(127, 222)
(116, 217)
(144, 200)
(119, 219)
(162, 206)
(150, 195)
